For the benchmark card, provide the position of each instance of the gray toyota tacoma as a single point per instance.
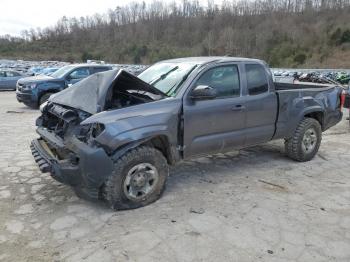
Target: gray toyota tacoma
(113, 135)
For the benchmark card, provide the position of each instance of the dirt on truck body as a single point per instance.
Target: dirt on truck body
(113, 135)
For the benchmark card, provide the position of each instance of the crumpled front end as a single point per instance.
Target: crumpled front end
(64, 152)
(84, 128)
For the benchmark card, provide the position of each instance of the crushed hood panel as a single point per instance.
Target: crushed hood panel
(90, 94)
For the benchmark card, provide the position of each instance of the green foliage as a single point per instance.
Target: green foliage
(339, 37)
(345, 38)
(87, 55)
(137, 52)
(300, 58)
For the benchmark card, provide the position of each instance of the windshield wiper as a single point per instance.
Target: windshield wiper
(169, 93)
(163, 76)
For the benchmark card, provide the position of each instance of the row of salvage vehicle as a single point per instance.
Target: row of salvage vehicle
(11, 71)
(320, 76)
(112, 135)
(34, 91)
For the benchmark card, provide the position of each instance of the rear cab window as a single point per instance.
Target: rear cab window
(257, 82)
(100, 69)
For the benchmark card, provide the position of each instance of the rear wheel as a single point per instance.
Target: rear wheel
(137, 180)
(306, 141)
(44, 98)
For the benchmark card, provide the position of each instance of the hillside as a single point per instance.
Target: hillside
(285, 33)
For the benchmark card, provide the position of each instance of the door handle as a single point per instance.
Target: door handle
(238, 108)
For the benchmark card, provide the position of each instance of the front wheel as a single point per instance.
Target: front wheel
(306, 140)
(137, 180)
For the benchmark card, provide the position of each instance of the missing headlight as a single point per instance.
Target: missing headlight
(96, 129)
(88, 133)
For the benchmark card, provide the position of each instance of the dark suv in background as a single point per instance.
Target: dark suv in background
(33, 91)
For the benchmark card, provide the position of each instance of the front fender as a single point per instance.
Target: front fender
(116, 140)
(51, 87)
(144, 121)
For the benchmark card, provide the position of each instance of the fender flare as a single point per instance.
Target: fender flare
(312, 110)
(121, 151)
(171, 153)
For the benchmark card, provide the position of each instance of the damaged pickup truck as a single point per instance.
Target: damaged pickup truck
(113, 135)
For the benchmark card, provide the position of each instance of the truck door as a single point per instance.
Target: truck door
(261, 105)
(215, 125)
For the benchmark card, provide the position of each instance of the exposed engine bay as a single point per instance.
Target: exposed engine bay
(58, 119)
(120, 99)
(62, 116)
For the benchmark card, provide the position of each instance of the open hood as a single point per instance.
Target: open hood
(90, 94)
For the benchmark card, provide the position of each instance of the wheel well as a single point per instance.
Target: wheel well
(163, 145)
(159, 142)
(44, 93)
(317, 116)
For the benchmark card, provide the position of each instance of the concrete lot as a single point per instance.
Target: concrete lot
(252, 205)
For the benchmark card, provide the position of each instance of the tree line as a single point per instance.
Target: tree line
(285, 33)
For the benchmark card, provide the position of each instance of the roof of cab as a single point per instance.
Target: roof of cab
(89, 65)
(209, 59)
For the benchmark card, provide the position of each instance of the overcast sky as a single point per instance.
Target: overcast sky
(18, 15)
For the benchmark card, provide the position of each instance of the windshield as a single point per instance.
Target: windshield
(48, 71)
(62, 71)
(167, 77)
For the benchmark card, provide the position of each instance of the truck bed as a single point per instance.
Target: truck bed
(297, 100)
(279, 86)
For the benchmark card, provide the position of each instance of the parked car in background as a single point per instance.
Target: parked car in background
(33, 91)
(8, 79)
(117, 142)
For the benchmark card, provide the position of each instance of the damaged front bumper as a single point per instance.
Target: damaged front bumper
(85, 169)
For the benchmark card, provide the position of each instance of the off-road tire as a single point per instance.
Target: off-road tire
(293, 145)
(44, 98)
(113, 190)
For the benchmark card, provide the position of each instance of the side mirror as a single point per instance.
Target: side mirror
(203, 92)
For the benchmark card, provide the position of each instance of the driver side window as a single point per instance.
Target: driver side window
(224, 79)
(11, 74)
(79, 73)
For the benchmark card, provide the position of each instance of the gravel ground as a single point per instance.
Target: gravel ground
(251, 205)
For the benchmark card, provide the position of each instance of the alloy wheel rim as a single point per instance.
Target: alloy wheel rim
(309, 140)
(140, 181)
